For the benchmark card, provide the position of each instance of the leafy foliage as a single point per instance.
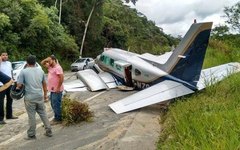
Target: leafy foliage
(75, 112)
(113, 25)
(219, 31)
(29, 28)
(126, 28)
(233, 16)
(133, 1)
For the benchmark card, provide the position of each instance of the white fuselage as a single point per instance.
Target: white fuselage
(116, 60)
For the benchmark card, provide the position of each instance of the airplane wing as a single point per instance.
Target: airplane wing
(213, 75)
(160, 92)
(168, 89)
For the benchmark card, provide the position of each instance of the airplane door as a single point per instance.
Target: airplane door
(128, 75)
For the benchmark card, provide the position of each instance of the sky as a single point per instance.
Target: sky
(176, 16)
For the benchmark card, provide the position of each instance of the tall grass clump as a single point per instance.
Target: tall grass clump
(74, 112)
(206, 120)
(218, 53)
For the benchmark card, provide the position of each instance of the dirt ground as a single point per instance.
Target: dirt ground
(136, 130)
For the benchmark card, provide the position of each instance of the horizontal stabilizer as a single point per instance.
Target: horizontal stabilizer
(213, 75)
(162, 59)
(160, 92)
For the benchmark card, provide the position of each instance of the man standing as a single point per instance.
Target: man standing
(55, 86)
(6, 68)
(34, 81)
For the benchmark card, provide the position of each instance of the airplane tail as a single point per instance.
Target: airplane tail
(187, 59)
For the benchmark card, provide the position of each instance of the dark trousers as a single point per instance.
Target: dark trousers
(8, 105)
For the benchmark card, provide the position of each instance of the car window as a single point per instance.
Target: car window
(79, 60)
(17, 66)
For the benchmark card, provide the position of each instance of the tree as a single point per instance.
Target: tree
(133, 1)
(28, 27)
(233, 16)
(220, 31)
(128, 29)
(96, 3)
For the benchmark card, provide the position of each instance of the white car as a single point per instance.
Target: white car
(82, 64)
(18, 66)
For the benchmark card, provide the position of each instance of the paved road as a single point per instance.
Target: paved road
(134, 130)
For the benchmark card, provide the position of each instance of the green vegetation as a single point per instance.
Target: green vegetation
(128, 29)
(29, 28)
(75, 112)
(32, 27)
(208, 119)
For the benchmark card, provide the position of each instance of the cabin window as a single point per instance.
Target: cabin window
(102, 58)
(112, 62)
(137, 72)
(118, 67)
(107, 60)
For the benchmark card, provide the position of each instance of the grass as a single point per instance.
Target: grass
(208, 119)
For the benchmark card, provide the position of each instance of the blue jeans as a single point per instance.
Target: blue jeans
(56, 103)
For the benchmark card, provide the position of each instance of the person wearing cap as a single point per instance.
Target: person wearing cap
(33, 78)
(6, 68)
(55, 86)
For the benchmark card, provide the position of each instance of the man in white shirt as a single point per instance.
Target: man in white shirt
(6, 68)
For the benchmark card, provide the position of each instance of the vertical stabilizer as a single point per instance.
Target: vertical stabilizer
(187, 59)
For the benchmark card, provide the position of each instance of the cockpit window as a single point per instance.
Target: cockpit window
(137, 72)
(111, 62)
(102, 58)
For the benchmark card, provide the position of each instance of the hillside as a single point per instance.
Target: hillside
(207, 119)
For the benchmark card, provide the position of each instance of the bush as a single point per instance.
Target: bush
(75, 112)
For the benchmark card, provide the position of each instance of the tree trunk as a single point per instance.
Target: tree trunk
(85, 31)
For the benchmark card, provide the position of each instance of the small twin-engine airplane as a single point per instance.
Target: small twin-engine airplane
(162, 78)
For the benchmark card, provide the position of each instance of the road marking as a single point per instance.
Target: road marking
(19, 135)
(40, 124)
(88, 99)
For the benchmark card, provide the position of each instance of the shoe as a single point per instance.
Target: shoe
(30, 137)
(3, 122)
(13, 117)
(48, 133)
(55, 122)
